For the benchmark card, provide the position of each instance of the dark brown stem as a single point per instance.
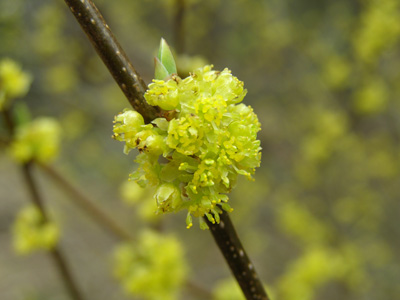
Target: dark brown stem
(101, 217)
(66, 275)
(115, 59)
(113, 56)
(55, 253)
(179, 37)
(8, 121)
(228, 242)
(4, 142)
(202, 292)
(33, 191)
(87, 205)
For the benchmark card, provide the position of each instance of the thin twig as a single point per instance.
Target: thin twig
(109, 50)
(113, 56)
(4, 142)
(199, 290)
(8, 121)
(86, 204)
(56, 254)
(101, 217)
(58, 258)
(228, 242)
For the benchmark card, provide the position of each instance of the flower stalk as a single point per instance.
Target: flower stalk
(113, 56)
(242, 268)
(97, 214)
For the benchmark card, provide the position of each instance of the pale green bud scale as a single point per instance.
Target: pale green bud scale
(166, 59)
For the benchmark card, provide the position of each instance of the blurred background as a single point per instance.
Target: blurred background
(321, 219)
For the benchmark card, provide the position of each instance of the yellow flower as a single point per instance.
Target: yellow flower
(13, 81)
(153, 268)
(38, 140)
(195, 158)
(32, 233)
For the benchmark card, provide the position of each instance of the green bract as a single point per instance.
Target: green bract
(210, 140)
(164, 62)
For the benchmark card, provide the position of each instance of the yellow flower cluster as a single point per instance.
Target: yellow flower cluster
(210, 140)
(153, 268)
(13, 81)
(315, 268)
(31, 232)
(37, 140)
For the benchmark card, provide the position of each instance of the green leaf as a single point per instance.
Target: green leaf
(166, 58)
(160, 71)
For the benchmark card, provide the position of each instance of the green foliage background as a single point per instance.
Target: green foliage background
(321, 219)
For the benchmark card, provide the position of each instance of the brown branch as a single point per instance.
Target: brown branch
(56, 254)
(8, 121)
(98, 215)
(199, 290)
(4, 142)
(101, 217)
(113, 56)
(228, 242)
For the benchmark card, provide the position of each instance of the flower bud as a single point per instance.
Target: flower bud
(168, 197)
